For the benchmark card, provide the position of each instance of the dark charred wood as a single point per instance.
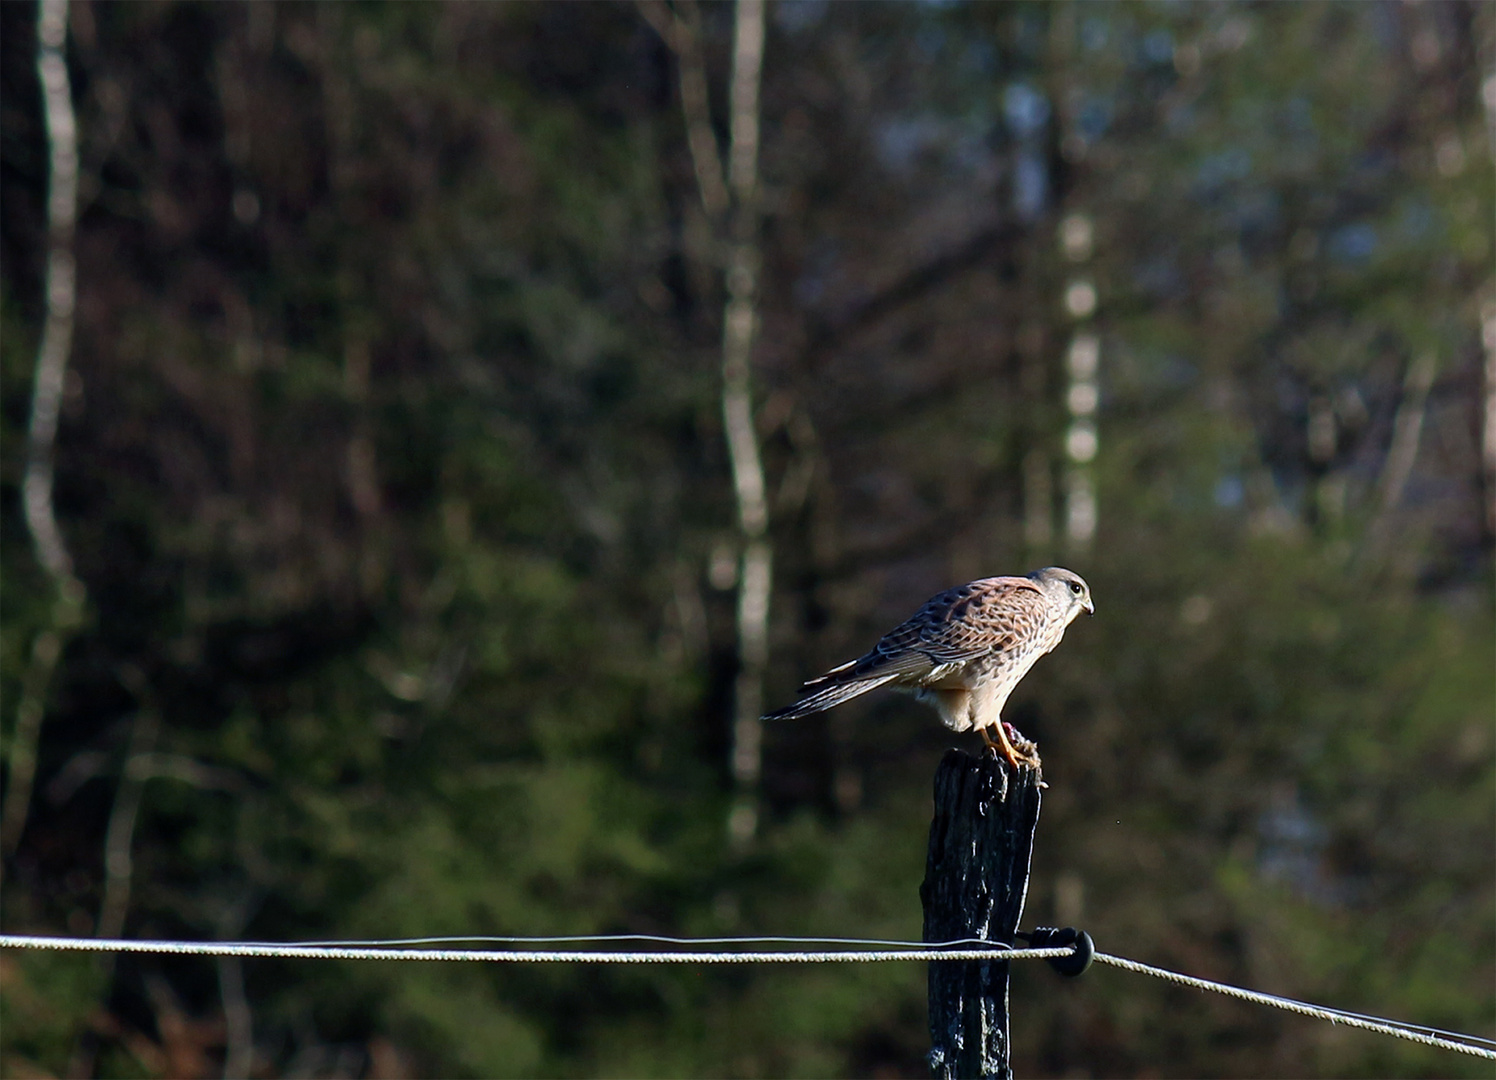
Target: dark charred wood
(976, 877)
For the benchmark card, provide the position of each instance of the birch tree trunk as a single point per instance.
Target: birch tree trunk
(1488, 337)
(46, 405)
(739, 324)
(736, 201)
(1077, 244)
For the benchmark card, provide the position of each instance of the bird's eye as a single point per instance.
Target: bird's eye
(1075, 587)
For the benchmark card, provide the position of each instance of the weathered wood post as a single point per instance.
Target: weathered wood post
(976, 877)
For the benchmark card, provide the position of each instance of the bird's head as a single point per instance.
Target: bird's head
(1065, 588)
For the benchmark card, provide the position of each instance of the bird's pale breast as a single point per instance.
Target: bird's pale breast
(1037, 630)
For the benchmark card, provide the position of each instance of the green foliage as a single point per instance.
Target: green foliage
(46, 999)
(392, 462)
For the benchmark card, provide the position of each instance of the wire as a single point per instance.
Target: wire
(987, 951)
(568, 939)
(1463, 1044)
(963, 949)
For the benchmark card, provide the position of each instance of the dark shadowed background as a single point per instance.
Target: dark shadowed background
(393, 471)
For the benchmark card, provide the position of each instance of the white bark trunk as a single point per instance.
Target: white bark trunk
(1488, 333)
(738, 332)
(736, 199)
(57, 334)
(46, 405)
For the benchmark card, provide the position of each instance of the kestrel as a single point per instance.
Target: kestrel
(963, 652)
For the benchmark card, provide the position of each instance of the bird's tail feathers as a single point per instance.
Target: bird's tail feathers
(827, 696)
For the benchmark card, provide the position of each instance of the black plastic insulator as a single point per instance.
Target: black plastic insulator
(1050, 937)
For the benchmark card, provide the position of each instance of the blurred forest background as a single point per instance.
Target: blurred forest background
(415, 574)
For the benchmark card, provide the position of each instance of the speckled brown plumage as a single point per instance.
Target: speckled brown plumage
(963, 652)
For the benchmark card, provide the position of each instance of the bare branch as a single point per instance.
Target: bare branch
(1407, 430)
(143, 764)
(119, 837)
(682, 33)
(238, 1020)
(662, 21)
(984, 245)
(159, 766)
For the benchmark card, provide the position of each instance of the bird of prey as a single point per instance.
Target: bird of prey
(963, 652)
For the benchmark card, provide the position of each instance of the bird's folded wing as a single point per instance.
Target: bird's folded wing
(969, 621)
(960, 624)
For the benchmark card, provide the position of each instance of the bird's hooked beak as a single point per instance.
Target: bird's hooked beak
(1090, 607)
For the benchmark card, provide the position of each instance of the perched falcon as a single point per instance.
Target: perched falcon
(963, 652)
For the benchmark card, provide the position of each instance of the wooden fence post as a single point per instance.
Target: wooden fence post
(976, 877)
